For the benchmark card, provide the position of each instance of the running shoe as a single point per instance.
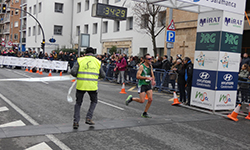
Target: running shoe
(145, 115)
(75, 125)
(128, 100)
(89, 122)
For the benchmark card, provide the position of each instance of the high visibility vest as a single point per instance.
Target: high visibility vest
(88, 73)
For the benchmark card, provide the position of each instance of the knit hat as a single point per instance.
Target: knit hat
(89, 50)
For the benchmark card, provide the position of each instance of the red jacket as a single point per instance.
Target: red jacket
(121, 64)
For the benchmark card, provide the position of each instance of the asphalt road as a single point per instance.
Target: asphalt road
(43, 105)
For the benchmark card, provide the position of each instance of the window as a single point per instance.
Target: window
(17, 1)
(39, 7)
(15, 36)
(105, 27)
(16, 12)
(105, 1)
(39, 30)
(11, 25)
(143, 51)
(34, 10)
(11, 36)
(129, 23)
(86, 29)
(16, 24)
(144, 21)
(116, 1)
(58, 7)
(116, 25)
(94, 28)
(34, 30)
(58, 30)
(79, 6)
(29, 31)
(30, 9)
(86, 5)
(161, 19)
(77, 30)
(12, 13)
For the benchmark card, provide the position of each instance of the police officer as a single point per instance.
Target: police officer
(87, 70)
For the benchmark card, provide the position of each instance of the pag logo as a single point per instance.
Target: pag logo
(209, 20)
(207, 38)
(231, 39)
(224, 61)
(201, 59)
(204, 75)
(225, 98)
(228, 77)
(234, 22)
(201, 96)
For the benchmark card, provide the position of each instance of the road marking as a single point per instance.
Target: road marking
(25, 75)
(131, 89)
(3, 109)
(110, 105)
(172, 99)
(32, 121)
(13, 124)
(42, 146)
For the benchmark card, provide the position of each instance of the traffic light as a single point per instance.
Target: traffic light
(43, 44)
(3, 8)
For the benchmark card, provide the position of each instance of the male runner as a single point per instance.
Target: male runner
(146, 78)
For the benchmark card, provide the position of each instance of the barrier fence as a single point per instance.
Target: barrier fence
(31, 62)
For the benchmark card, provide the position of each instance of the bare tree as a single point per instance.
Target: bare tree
(145, 15)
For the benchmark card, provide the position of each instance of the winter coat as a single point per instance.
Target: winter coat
(188, 73)
(243, 74)
(166, 65)
(121, 64)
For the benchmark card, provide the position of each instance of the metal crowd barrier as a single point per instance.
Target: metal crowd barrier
(243, 91)
(163, 78)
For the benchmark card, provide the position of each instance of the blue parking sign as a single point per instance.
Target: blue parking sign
(170, 36)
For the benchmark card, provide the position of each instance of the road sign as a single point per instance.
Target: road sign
(170, 45)
(3, 43)
(52, 40)
(170, 36)
(10, 43)
(171, 26)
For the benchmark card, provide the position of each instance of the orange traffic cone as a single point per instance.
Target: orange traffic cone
(248, 117)
(27, 69)
(123, 89)
(50, 74)
(73, 80)
(176, 101)
(41, 71)
(61, 73)
(37, 70)
(146, 97)
(235, 113)
(30, 70)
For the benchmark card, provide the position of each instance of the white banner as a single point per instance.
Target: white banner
(206, 60)
(30, 62)
(236, 6)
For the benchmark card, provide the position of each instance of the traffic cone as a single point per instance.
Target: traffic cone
(27, 69)
(146, 97)
(30, 70)
(50, 73)
(248, 117)
(41, 71)
(176, 101)
(37, 70)
(73, 80)
(61, 73)
(123, 89)
(235, 113)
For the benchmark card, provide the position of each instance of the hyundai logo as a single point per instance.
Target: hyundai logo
(204, 75)
(196, 0)
(228, 77)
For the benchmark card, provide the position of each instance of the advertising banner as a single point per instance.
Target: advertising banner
(233, 23)
(206, 60)
(227, 80)
(1, 60)
(229, 62)
(209, 41)
(231, 42)
(235, 6)
(202, 97)
(204, 79)
(210, 21)
(225, 100)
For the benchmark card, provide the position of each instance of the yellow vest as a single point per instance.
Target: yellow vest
(88, 73)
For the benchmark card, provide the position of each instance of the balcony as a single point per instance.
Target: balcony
(6, 31)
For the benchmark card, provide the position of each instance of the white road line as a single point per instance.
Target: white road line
(32, 121)
(13, 124)
(39, 146)
(110, 105)
(3, 109)
(25, 75)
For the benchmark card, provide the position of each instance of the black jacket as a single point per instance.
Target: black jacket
(157, 64)
(189, 73)
(166, 65)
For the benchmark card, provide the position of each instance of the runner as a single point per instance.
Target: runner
(146, 79)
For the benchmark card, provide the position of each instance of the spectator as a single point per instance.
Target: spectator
(41, 55)
(245, 60)
(34, 54)
(166, 66)
(121, 66)
(188, 77)
(60, 56)
(46, 56)
(54, 54)
(51, 57)
(71, 60)
(244, 87)
(26, 54)
(180, 69)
